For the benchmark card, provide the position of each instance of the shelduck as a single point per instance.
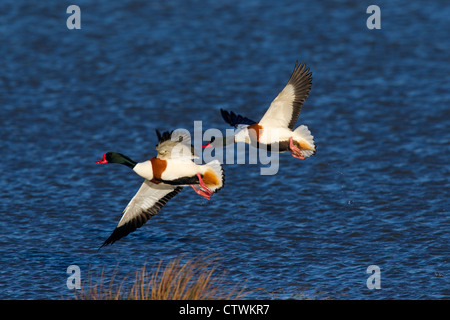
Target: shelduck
(165, 176)
(276, 126)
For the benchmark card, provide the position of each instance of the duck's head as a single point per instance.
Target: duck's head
(209, 144)
(115, 157)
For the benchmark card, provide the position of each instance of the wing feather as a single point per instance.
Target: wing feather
(146, 203)
(285, 108)
(175, 145)
(235, 120)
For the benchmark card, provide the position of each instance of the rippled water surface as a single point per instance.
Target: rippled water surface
(376, 192)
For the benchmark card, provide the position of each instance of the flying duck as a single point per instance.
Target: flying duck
(165, 176)
(276, 126)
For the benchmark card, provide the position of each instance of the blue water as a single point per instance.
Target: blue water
(376, 192)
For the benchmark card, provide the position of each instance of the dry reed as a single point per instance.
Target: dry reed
(195, 279)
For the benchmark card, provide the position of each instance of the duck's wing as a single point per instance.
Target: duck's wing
(285, 108)
(236, 120)
(175, 145)
(147, 202)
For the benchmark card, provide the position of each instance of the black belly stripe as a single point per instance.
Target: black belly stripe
(181, 181)
(282, 146)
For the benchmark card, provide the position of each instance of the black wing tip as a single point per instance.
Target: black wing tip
(166, 135)
(301, 79)
(117, 234)
(234, 119)
(301, 71)
(227, 116)
(124, 230)
(106, 243)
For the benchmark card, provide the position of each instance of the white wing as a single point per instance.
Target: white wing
(147, 202)
(285, 108)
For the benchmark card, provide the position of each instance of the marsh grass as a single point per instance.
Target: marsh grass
(195, 279)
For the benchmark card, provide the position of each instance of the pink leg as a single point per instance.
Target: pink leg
(201, 192)
(204, 193)
(296, 152)
(203, 185)
(297, 156)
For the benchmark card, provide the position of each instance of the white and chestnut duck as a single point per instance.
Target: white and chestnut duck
(164, 177)
(276, 126)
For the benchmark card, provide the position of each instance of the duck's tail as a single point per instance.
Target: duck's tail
(306, 140)
(214, 176)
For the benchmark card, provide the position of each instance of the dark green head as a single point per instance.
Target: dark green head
(115, 157)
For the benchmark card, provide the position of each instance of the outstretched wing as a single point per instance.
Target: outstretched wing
(285, 108)
(147, 202)
(235, 120)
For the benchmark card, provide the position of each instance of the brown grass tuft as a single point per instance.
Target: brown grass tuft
(195, 279)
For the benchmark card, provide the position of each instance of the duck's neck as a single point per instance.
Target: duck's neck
(224, 141)
(129, 163)
(122, 159)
